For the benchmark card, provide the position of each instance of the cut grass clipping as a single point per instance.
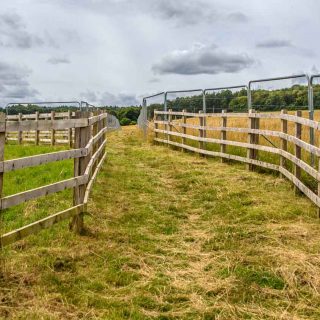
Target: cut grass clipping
(170, 236)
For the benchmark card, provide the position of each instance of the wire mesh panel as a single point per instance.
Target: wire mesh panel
(274, 94)
(149, 105)
(189, 100)
(42, 107)
(315, 83)
(113, 123)
(231, 99)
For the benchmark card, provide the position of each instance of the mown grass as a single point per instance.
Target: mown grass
(172, 236)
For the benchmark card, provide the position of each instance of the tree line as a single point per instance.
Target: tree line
(292, 98)
(125, 115)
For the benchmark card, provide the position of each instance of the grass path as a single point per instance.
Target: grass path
(172, 236)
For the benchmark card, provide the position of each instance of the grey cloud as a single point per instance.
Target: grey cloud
(14, 83)
(274, 43)
(109, 99)
(13, 33)
(21, 92)
(58, 60)
(180, 12)
(154, 80)
(89, 96)
(314, 70)
(186, 12)
(237, 17)
(201, 59)
(190, 12)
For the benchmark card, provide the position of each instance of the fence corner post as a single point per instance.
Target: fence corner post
(82, 137)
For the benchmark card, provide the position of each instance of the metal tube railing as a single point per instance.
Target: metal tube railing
(42, 103)
(224, 88)
(185, 91)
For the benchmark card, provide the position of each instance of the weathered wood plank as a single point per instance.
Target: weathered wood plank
(93, 178)
(95, 119)
(45, 124)
(224, 155)
(293, 118)
(223, 133)
(303, 165)
(39, 225)
(21, 197)
(82, 137)
(32, 161)
(94, 158)
(53, 131)
(297, 149)
(303, 188)
(306, 146)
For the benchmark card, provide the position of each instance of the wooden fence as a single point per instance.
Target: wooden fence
(53, 137)
(88, 154)
(276, 141)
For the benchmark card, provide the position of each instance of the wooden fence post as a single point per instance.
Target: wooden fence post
(82, 137)
(256, 137)
(184, 129)
(201, 130)
(100, 127)
(37, 132)
(223, 134)
(95, 129)
(251, 153)
(70, 130)
(2, 144)
(297, 150)
(19, 131)
(284, 142)
(169, 126)
(156, 126)
(53, 132)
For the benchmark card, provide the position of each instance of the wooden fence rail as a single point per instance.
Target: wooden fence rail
(290, 153)
(52, 136)
(89, 153)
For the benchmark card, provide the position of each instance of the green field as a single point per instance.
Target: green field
(30, 178)
(169, 235)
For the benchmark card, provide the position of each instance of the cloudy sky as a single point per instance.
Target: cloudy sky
(116, 51)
